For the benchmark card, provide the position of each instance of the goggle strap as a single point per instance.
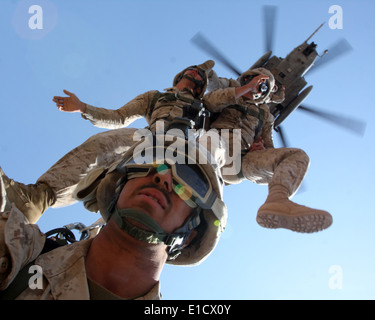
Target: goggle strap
(219, 210)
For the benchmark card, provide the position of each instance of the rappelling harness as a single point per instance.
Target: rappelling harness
(194, 112)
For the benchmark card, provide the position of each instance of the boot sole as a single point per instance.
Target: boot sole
(303, 224)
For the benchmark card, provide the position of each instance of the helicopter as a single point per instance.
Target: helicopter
(289, 72)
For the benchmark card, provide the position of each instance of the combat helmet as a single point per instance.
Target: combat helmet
(203, 70)
(208, 217)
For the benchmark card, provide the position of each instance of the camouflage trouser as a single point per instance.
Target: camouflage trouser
(100, 150)
(285, 166)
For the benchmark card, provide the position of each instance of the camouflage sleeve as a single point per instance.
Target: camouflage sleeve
(217, 100)
(122, 117)
(215, 82)
(20, 243)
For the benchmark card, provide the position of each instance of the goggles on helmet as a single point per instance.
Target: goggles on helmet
(189, 182)
(199, 72)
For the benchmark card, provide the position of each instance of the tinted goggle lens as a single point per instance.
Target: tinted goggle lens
(192, 176)
(199, 72)
(189, 181)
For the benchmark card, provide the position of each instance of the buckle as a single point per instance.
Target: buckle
(80, 227)
(173, 240)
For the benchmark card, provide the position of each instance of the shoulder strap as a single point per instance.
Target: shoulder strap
(170, 96)
(21, 281)
(247, 111)
(261, 121)
(153, 102)
(18, 285)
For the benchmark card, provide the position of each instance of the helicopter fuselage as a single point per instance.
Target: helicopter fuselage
(289, 72)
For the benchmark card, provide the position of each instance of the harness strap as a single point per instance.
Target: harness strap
(193, 111)
(261, 121)
(247, 111)
(169, 96)
(153, 102)
(21, 282)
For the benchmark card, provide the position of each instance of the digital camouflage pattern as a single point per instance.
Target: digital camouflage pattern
(62, 270)
(285, 166)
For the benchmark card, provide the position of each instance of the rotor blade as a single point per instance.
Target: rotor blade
(351, 124)
(200, 41)
(284, 143)
(269, 19)
(340, 48)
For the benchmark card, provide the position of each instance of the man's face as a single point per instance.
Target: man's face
(154, 195)
(193, 73)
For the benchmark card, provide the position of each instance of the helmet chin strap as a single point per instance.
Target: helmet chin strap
(156, 234)
(198, 83)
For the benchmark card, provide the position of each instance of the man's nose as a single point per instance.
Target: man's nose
(163, 179)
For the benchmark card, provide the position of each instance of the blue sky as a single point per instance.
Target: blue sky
(107, 52)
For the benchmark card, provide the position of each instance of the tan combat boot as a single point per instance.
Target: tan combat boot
(31, 199)
(279, 212)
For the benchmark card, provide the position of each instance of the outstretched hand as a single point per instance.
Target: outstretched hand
(70, 103)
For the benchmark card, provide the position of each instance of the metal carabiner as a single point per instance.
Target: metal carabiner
(80, 227)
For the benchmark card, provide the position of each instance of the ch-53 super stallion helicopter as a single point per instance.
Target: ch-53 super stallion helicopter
(289, 72)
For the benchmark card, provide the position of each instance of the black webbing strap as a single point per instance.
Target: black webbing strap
(21, 281)
(169, 96)
(247, 111)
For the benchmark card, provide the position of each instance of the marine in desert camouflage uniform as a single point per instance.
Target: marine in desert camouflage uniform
(148, 225)
(283, 169)
(55, 187)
